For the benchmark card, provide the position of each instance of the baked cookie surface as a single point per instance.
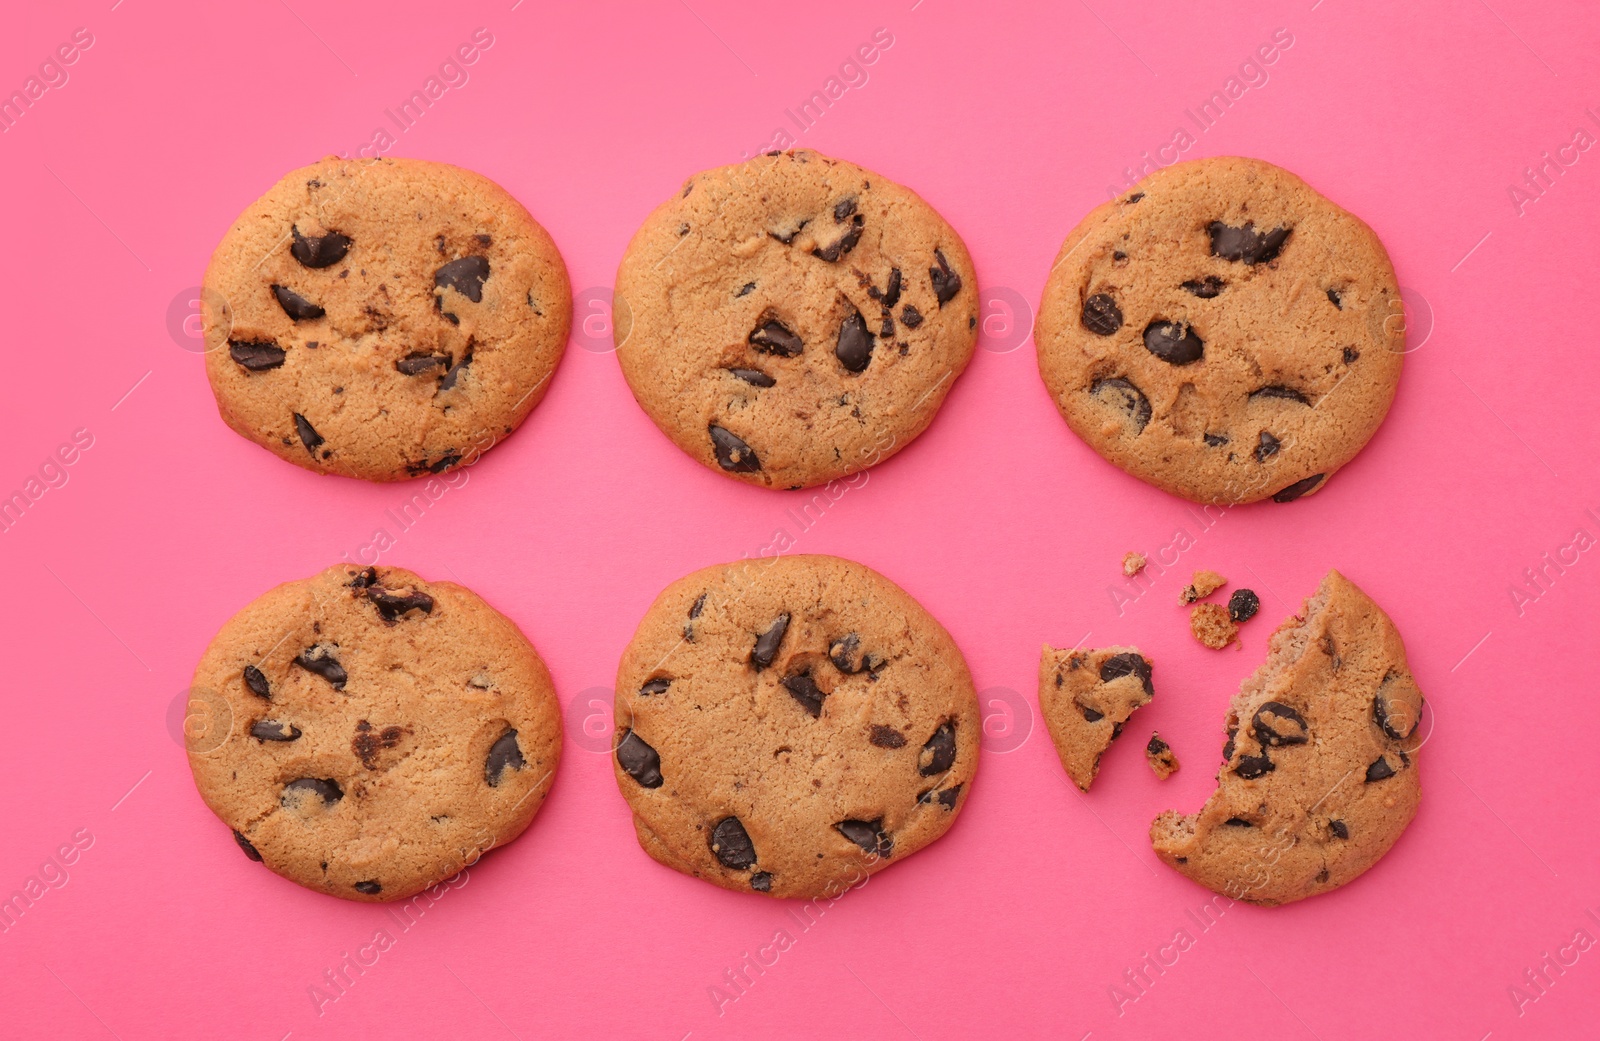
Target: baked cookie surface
(381, 733)
(1086, 696)
(383, 318)
(792, 725)
(794, 318)
(1320, 774)
(1223, 332)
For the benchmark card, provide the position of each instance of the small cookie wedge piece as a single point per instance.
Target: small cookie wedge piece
(1086, 696)
(1202, 585)
(1160, 756)
(1321, 774)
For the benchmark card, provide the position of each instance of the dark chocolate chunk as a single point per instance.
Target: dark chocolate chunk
(1215, 440)
(1091, 715)
(318, 251)
(466, 276)
(1101, 315)
(1379, 770)
(1395, 718)
(1124, 396)
(257, 682)
(1253, 766)
(761, 881)
(1278, 390)
(658, 685)
(296, 306)
(869, 835)
(244, 844)
(1267, 447)
(505, 754)
(1238, 822)
(1205, 288)
(451, 377)
(948, 797)
(308, 434)
(939, 754)
(910, 317)
(833, 251)
(369, 741)
(638, 760)
(698, 606)
(733, 454)
(946, 283)
(322, 663)
(732, 846)
(845, 653)
(1335, 299)
(1227, 747)
(1277, 724)
(766, 648)
(1173, 342)
(369, 887)
(1339, 828)
(1350, 354)
(272, 730)
(754, 377)
(770, 336)
(1246, 244)
(325, 788)
(745, 289)
(418, 362)
(854, 349)
(1135, 197)
(886, 737)
(1243, 605)
(1297, 489)
(1127, 664)
(891, 295)
(394, 606)
(256, 355)
(1156, 746)
(804, 689)
(843, 209)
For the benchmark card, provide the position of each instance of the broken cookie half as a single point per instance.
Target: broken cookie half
(1320, 775)
(1086, 696)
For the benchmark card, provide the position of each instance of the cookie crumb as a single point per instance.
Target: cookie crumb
(1159, 755)
(1132, 564)
(1212, 626)
(1202, 585)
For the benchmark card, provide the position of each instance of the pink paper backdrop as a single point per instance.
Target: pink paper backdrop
(1422, 118)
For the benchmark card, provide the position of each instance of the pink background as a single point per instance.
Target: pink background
(1419, 117)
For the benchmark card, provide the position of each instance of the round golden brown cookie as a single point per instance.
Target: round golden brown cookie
(791, 725)
(794, 318)
(1320, 775)
(372, 733)
(1223, 332)
(383, 318)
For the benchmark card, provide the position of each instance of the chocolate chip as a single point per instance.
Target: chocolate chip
(319, 661)
(505, 754)
(1246, 244)
(244, 844)
(869, 835)
(698, 606)
(1124, 396)
(1090, 715)
(1117, 254)
(754, 377)
(1267, 447)
(771, 336)
(1227, 747)
(1350, 354)
(1335, 299)
(886, 737)
(766, 648)
(308, 434)
(368, 742)
(1278, 390)
(1339, 829)
(1173, 342)
(910, 316)
(761, 881)
(805, 690)
(638, 760)
(1127, 664)
(272, 730)
(1277, 724)
(364, 579)
(939, 754)
(845, 653)
(1156, 746)
(1204, 288)
(733, 454)
(318, 251)
(844, 245)
(257, 682)
(466, 276)
(843, 209)
(394, 606)
(732, 846)
(658, 685)
(326, 789)
(1243, 605)
(1215, 440)
(745, 289)
(1379, 770)
(946, 283)
(1252, 766)
(368, 887)
(1395, 717)
(948, 797)
(417, 362)
(296, 306)
(1298, 488)
(1135, 197)
(1101, 315)
(891, 295)
(450, 378)
(1238, 822)
(440, 465)
(854, 349)
(256, 355)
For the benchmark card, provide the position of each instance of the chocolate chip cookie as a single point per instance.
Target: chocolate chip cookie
(795, 318)
(380, 732)
(1320, 774)
(1223, 332)
(792, 725)
(383, 318)
(1086, 697)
